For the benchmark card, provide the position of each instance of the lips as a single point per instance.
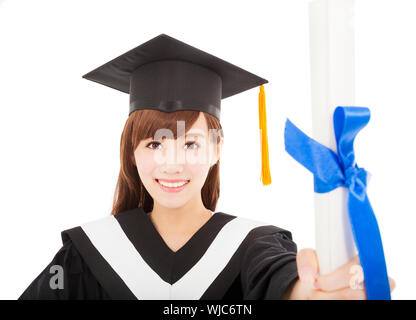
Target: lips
(173, 180)
(172, 185)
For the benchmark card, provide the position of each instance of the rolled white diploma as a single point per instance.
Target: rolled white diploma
(332, 84)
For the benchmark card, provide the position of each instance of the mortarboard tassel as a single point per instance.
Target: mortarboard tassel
(265, 170)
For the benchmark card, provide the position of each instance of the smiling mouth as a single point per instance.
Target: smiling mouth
(172, 185)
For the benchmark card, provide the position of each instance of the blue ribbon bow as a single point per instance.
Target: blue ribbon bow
(333, 170)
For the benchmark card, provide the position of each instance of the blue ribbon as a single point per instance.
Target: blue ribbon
(333, 170)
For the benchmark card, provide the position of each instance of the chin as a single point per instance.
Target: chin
(172, 204)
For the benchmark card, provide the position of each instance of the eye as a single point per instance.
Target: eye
(192, 145)
(155, 144)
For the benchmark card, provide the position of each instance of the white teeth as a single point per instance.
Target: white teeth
(172, 185)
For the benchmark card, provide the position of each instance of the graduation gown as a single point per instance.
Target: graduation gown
(124, 257)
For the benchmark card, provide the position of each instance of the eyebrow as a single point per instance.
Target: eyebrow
(194, 134)
(187, 135)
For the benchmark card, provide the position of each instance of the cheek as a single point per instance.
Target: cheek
(198, 171)
(198, 164)
(145, 164)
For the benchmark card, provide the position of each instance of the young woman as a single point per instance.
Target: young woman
(163, 239)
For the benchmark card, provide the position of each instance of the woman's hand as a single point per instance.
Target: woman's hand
(345, 283)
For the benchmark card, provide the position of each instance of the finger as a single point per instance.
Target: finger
(348, 275)
(392, 284)
(342, 294)
(355, 293)
(307, 264)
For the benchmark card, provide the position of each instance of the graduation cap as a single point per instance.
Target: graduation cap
(168, 75)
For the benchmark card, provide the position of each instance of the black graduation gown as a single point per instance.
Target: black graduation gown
(124, 257)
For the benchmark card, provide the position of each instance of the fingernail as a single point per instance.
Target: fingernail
(316, 284)
(307, 275)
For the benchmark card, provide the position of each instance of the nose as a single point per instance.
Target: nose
(171, 169)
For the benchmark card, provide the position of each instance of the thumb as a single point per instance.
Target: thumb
(307, 264)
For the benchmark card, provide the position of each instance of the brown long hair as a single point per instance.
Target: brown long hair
(130, 192)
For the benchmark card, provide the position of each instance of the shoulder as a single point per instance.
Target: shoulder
(69, 258)
(259, 237)
(103, 224)
(259, 228)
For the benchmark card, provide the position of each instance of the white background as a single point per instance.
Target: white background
(60, 134)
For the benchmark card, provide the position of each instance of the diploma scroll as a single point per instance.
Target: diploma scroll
(332, 85)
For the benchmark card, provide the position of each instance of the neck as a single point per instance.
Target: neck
(183, 219)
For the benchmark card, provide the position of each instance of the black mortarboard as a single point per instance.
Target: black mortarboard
(168, 75)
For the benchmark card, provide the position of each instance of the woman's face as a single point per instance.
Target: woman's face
(174, 171)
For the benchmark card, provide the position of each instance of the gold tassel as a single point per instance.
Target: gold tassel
(265, 170)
